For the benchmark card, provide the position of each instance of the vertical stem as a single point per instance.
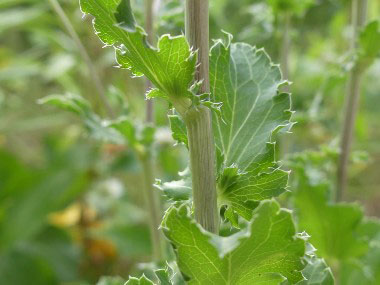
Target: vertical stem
(284, 59)
(151, 196)
(199, 122)
(82, 50)
(197, 34)
(149, 19)
(285, 48)
(359, 11)
(153, 206)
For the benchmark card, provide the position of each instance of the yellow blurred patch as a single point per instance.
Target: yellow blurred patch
(66, 218)
(101, 250)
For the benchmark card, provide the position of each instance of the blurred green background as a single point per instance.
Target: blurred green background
(70, 203)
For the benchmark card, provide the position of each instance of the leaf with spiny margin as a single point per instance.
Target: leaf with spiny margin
(333, 227)
(231, 216)
(267, 252)
(170, 67)
(178, 128)
(178, 190)
(247, 83)
(96, 127)
(316, 271)
(369, 44)
(139, 281)
(165, 275)
(260, 181)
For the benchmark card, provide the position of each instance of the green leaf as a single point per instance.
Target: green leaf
(38, 257)
(316, 271)
(290, 6)
(142, 281)
(69, 102)
(126, 128)
(170, 67)
(179, 190)
(247, 83)
(165, 275)
(369, 44)
(260, 181)
(178, 128)
(333, 227)
(96, 127)
(267, 252)
(367, 269)
(136, 135)
(231, 216)
(25, 188)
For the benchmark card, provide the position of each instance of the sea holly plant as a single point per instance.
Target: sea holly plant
(247, 171)
(226, 112)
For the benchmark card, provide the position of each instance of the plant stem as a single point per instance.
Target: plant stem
(284, 59)
(151, 196)
(153, 206)
(149, 19)
(199, 122)
(285, 48)
(90, 66)
(359, 11)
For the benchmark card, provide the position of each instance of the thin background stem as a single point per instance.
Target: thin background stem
(285, 48)
(359, 12)
(82, 50)
(152, 197)
(284, 60)
(149, 19)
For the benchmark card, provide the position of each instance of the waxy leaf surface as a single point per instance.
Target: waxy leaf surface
(267, 252)
(170, 66)
(247, 83)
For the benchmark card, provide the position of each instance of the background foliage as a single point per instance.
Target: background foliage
(70, 202)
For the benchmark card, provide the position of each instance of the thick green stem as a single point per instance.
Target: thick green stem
(202, 159)
(199, 122)
(153, 206)
(82, 50)
(359, 11)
